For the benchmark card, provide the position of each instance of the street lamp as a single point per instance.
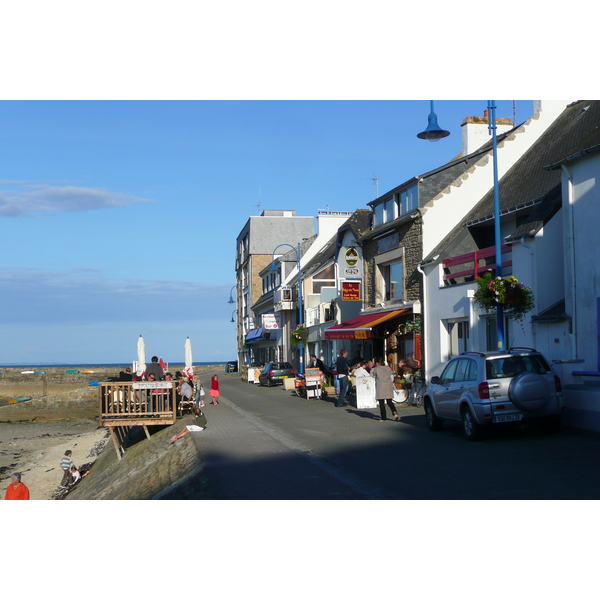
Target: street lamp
(431, 135)
(434, 132)
(233, 313)
(273, 267)
(231, 300)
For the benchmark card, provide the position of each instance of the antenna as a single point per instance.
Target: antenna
(375, 181)
(258, 204)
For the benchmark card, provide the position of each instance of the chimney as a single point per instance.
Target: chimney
(475, 131)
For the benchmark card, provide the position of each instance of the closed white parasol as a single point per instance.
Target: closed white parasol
(189, 369)
(141, 351)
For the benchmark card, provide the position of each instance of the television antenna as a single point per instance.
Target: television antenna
(375, 181)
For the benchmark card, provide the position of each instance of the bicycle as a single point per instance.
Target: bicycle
(417, 389)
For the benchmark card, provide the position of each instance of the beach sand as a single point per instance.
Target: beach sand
(35, 450)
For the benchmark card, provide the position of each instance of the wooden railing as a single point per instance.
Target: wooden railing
(137, 403)
(474, 259)
(124, 404)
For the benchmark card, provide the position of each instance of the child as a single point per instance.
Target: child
(214, 389)
(75, 474)
(65, 464)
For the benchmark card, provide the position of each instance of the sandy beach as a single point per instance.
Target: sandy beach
(35, 450)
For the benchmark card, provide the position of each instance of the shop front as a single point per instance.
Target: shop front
(390, 334)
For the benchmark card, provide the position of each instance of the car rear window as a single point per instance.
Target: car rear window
(282, 366)
(509, 366)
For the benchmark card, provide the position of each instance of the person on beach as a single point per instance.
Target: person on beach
(214, 389)
(384, 388)
(75, 474)
(65, 464)
(16, 490)
(198, 424)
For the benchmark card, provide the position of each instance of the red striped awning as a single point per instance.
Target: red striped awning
(361, 327)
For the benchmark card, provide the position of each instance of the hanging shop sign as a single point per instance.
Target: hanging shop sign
(351, 291)
(350, 263)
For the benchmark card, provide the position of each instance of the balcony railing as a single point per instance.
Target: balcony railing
(478, 263)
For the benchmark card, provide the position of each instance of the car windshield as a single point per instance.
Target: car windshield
(509, 366)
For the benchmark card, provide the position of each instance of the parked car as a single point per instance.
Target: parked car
(481, 389)
(275, 372)
(231, 366)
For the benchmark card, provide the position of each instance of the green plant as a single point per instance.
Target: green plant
(515, 298)
(299, 335)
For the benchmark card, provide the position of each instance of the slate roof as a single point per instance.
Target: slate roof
(532, 182)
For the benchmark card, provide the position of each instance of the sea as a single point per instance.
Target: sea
(94, 365)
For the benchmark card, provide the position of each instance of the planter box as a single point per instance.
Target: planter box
(288, 384)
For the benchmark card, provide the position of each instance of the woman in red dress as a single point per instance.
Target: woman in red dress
(214, 389)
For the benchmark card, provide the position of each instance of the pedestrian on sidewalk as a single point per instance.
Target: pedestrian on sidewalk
(214, 389)
(65, 464)
(16, 489)
(341, 365)
(384, 388)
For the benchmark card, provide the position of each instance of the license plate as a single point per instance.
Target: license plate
(507, 418)
(283, 376)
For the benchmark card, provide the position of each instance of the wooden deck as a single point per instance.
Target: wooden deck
(125, 404)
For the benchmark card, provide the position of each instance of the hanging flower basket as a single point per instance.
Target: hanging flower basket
(516, 299)
(299, 336)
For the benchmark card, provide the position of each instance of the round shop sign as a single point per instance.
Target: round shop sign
(351, 257)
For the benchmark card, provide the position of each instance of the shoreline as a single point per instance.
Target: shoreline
(35, 449)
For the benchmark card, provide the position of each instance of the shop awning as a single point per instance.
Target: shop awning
(261, 335)
(361, 327)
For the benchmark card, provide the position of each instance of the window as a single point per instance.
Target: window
(393, 280)
(449, 373)
(390, 213)
(459, 337)
(378, 215)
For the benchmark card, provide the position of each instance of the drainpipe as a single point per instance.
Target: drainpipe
(571, 287)
(425, 329)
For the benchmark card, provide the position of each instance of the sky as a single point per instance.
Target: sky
(133, 152)
(119, 218)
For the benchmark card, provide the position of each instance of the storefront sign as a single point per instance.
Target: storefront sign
(351, 257)
(351, 291)
(388, 243)
(271, 321)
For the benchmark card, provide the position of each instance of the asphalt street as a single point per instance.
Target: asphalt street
(269, 444)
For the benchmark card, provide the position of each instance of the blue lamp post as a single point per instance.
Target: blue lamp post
(433, 133)
(273, 267)
(233, 313)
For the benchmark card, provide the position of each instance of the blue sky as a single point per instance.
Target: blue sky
(119, 218)
(134, 145)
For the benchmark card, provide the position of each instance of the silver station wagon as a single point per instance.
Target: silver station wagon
(480, 389)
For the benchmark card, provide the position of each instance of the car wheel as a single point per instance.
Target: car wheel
(269, 383)
(434, 423)
(472, 430)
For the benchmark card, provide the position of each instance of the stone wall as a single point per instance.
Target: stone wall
(83, 403)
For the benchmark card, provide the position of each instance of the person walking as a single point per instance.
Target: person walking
(16, 489)
(341, 365)
(65, 464)
(384, 388)
(214, 389)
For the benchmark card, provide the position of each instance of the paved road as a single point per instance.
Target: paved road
(266, 443)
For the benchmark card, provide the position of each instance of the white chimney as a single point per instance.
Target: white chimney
(475, 131)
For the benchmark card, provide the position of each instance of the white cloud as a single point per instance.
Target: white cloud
(87, 296)
(30, 198)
